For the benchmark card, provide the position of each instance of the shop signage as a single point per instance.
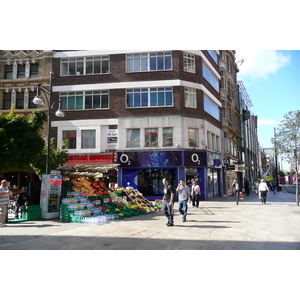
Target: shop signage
(150, 159)
(90, 158)
(195, 158)
(231, 167)
(226, 161)
(112, 136)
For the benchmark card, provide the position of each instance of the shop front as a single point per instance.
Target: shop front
(145, 170)
(234, 169)
(89, 168)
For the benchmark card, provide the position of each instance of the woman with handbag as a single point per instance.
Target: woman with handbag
(195, 193)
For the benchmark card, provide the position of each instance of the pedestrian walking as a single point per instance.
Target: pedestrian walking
(256, 187)
(263, 189)
(247, 187)
(4, 201)
(236, 190)
(168, 201)
(274, 186)
(195, 194)
(184, 196)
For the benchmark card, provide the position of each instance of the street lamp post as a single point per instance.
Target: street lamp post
(276, 164)
(38, 100)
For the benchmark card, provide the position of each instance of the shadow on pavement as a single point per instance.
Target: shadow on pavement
(119, 243)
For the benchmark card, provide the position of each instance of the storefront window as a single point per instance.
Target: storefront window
(148, 181)
(212, 183)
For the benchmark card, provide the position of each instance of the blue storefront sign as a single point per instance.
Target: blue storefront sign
(146, 169)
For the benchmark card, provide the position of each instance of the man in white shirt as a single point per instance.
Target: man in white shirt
(183, 197)
(4, 201)
(236, 190)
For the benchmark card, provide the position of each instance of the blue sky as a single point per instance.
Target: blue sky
(271, 78)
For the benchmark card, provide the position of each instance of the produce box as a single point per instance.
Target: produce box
(31, 215)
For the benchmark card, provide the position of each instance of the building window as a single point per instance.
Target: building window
(21, 71)
(6, 101)
(209, 140)
(222, 80)
(143, 62)
(212, 108)
(167, 137)
(96, 99)
(151, 137)
(31, 97)
(210, 77)
(70, 137)
(88, 139)
(190, 99)
(189, 64)
(85, 100)
(84, 65)
(217, 143)
(34, 70)
(213, 55)
(228, 64)
(149, 97)
(19, 100)
(8, 72)
(133, 138)
(193, 137)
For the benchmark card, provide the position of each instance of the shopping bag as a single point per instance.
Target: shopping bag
(241, 195)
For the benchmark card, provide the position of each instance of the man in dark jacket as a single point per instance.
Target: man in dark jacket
(168, 201)
(21, 199)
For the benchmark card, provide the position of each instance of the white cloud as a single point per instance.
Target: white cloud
(270, 122)
(260, 63)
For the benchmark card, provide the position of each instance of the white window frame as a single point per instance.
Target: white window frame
(196, 137)
(190, 97)
(139, 140)
(65, 96)
(143, 61)
(83, 61)
(208, 74)
(189, 63)
(150, 91)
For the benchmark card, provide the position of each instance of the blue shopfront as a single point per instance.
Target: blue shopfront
(145, 170)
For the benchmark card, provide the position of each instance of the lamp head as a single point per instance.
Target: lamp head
(38, 100)
(60, 113)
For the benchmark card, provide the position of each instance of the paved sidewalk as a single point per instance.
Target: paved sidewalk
(218, 224)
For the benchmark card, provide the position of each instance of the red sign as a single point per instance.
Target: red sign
(90, 158)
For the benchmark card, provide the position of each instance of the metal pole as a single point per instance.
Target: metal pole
(297, 182)
(276, 166)
(48, 161)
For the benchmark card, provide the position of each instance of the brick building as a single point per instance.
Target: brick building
(157, 112)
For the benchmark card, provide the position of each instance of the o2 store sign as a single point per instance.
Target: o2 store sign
(164, 159)
(197, 159)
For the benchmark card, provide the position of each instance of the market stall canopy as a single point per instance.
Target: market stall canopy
(87, 169)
